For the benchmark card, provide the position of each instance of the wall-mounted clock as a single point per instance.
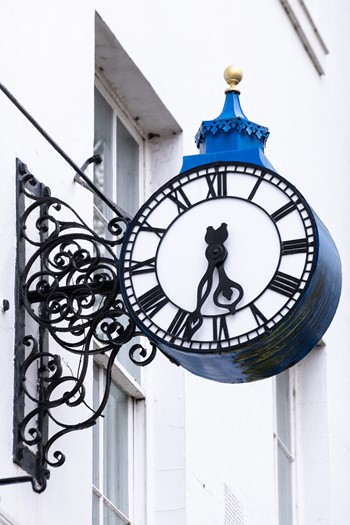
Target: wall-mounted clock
(229, 272)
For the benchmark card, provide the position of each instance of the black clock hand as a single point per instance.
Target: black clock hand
(195, 319)
(225, 287)
(215, 253)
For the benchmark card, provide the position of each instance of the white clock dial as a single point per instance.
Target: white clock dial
(262, 235)
(253, 246)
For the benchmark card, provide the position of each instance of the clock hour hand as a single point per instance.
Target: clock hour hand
(215, 253)
(225, 288)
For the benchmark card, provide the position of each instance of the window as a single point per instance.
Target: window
(115, 472)
(118, 175)
(111, 454)
(284, 436)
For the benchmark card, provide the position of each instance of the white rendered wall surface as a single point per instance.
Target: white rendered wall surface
(49, 68)
(208, 445)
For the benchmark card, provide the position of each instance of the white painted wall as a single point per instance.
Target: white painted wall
(49, 66)
(201, 436)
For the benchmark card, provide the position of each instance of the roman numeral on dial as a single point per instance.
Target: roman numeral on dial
(255, 189)
(295, 246)
(140, 267)
(258, 316)
(178, 324)
(181, 200)
(146, 227)
(284, 284)
(284, 210)
(152, 301)
(220, 330)
(217, 185)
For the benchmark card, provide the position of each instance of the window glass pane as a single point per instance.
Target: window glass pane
(110, 518)
(285, 510)
(127, 170)
(95, 510)
(96, 430)
(283, 408)
(124, 359)
(116, 448)
(128, 198)
(103, 173)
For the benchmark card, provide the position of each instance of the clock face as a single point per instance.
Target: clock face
(218, 257)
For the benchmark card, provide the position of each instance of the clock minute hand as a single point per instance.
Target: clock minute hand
(195, 319)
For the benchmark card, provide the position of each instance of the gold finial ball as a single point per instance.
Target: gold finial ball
(233, 75)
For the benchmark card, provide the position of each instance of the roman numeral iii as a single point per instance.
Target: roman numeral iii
(284, 284)
(295, 246)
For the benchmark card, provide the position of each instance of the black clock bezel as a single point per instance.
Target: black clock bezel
(261, 331)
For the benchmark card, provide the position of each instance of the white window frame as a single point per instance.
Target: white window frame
(136, 444)
(119, 112)
(289, 453)
(124, 380)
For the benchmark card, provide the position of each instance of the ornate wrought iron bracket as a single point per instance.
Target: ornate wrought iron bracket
(68, 309)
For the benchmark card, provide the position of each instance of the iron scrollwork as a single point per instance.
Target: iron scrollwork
(69, 308)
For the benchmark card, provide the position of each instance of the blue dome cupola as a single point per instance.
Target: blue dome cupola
(230, 136)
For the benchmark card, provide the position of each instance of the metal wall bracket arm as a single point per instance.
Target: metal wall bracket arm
(68, 309)
(24, 479)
